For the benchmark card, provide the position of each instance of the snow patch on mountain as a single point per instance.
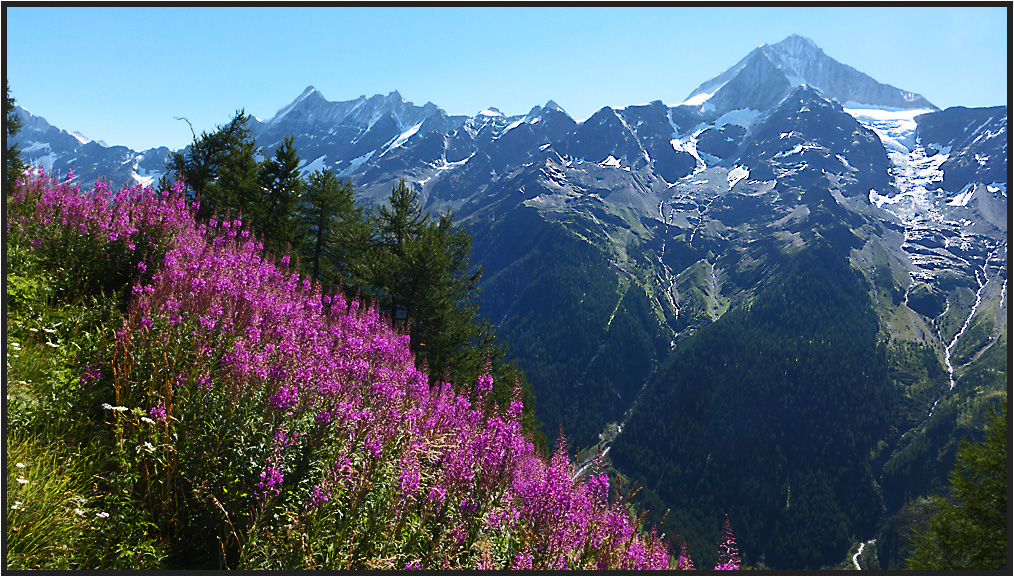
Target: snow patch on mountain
(699, 99)
(403, 138)
(356, 162)
(745, 117)
(688, 144)
(316, 164)
(80, 137)
(896, 128)
(610, 161)
(737, 174)
(962, 198)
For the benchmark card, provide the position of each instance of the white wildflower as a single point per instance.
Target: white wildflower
(19, 465)
(23, 480)
(102, 514)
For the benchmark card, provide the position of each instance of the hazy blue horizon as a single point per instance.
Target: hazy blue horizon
(122, 74)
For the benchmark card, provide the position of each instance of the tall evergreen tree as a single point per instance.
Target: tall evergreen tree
(281, 183)
(418, 271)
(240, 183)
(971, 531)
(227, 152)
(331, 228)
(12, 154)
(421, 275)
(397, 227)
(438, 293)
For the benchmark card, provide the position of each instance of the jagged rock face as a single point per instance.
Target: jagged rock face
(977, 143)
(807, 137)
(602, 136)
(758, 84)
(654, 127)
(344, 135)
(61, 152)
(722, 142)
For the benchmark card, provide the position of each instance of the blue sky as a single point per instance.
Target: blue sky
(121, 74)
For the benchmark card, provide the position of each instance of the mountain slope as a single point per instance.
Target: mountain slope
(614, 247)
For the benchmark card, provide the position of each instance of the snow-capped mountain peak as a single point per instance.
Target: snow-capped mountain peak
(771, 71)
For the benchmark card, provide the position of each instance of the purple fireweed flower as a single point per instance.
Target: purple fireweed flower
(437, 495)
(523, 560)
(204, 382)
(374, 446)
(157, 413)
(728, 553)
(484, 385)
(321, 495)
(271, 478)
(409, 482)
(284, 399)
(90, 375)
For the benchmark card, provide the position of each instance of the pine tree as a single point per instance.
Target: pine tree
(239, 184)
(282, 185)
(970, 531)
(728, 554)
(396, 227)
(439, 295)
(227, 152)
(332, 230)
(12, 153)
(421, 274)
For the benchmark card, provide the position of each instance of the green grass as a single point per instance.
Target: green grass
(60, 514)
(46, 514)
(975, 338)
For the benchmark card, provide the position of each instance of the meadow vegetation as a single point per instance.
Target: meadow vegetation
(180, 398)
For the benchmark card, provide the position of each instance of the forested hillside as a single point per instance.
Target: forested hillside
(782, 399)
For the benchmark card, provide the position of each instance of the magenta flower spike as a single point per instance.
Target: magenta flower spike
(728, 554)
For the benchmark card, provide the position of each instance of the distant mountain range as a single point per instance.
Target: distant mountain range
(622, 253)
